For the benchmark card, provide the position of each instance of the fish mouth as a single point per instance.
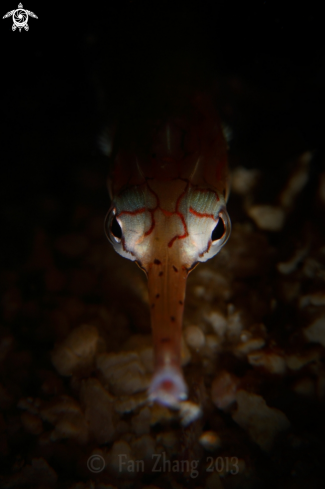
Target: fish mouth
(168, 386)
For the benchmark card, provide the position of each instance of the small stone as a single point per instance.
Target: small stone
(29, 404)
(223, 389)
(120, 458)
(261, 422)
(127, 404)
(299, 360)
(36, 474)
(315, 299)
(316, 331)
(60, 405)
(141, 422)
(189, 412)
(210, 440)
(272, 362)
(218, 322)
(291, 265)
(169, 440)
(144, 447)
(298, 179)
(212, 344)
(312, 268)
(77, 351)
(98, 407)
(194, 337)
(250, 345)
(243, 180)
(124, 372)
(267, 217)
(71, 425)
(161, 414)
(234, 326)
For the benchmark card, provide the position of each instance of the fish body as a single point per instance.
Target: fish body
(169, 187)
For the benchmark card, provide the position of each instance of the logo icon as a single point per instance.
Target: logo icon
(20, 18)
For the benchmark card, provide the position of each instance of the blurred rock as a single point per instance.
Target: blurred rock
(77, 351)
(273, 363)
(98, 407)
(210, 440)
(123, 372)
(290, 265)
(243, 180)
(262, 423)
(223, 390)
(38, 474)
(218, 322)
(267, 217)
(315, 332)
(189, 412)
(120, 459)
(141, 422)
(71, 425)
(51, 411)
(299, 360)
(297, 180)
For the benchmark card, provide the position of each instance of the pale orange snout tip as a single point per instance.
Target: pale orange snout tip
(168, 387)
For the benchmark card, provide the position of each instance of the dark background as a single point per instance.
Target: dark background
(73, 70)
(77, 69)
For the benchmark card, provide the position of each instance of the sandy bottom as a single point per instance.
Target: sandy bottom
(76, 351)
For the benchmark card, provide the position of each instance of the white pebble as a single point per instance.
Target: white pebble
(223, 389)
(210, 440)
(218, 322)
(270, 361)
(189, 412)
(267, 217)
(297, 181)
(243, 180)
(194, 337)
(77, 351)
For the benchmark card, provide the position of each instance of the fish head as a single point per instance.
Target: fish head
(168, 214)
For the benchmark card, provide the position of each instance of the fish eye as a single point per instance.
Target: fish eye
(116, 229)
(219, 230)
(113, 228)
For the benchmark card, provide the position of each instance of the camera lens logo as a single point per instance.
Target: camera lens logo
(20, 18)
